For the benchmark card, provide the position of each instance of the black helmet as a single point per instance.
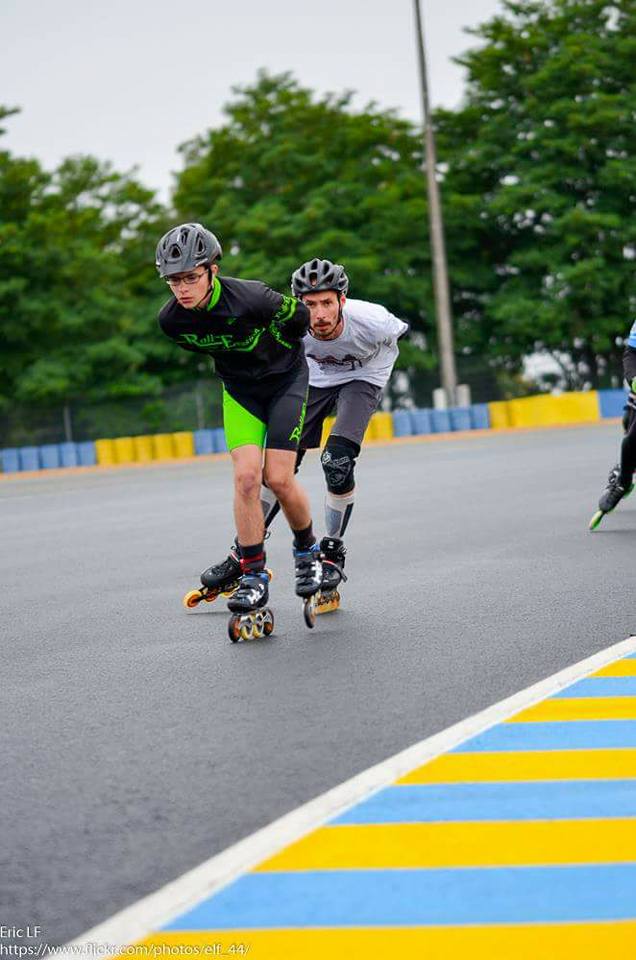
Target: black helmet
(319, 275)
(185, 247)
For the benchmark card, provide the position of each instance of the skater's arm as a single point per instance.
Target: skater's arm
(287, 317)
(384, 328)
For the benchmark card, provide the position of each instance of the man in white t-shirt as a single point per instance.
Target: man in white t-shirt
(351, 348)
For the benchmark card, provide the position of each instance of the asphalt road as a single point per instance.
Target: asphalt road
(136, 741)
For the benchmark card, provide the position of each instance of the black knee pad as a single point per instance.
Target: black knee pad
(629, 414)
(338, 460)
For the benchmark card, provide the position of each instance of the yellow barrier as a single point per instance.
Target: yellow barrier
(105, 452)
(580, 407)
(499, 413)
(162, 447)
(143, 449)
(538, 411)
(183, 444)
(380, 427)
(124, 449)
(326, 429)
(547, 411)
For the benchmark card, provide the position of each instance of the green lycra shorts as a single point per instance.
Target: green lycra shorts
(266, 414)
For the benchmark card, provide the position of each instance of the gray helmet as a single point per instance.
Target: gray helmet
(185, 247)
(317, 275)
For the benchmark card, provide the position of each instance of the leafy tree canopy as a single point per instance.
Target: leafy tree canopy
(74, 281)
(542, 164)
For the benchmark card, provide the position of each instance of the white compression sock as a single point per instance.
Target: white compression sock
(269, 503)
(337, 512)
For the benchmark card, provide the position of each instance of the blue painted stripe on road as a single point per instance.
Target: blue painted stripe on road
(537, 800)
(599, 687)
(562, 735)
(373, 898)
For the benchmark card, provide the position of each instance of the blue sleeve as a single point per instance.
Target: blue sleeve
(632, 336)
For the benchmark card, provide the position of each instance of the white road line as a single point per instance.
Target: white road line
(159, 908)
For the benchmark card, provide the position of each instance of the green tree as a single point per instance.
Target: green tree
(76, 306)
(542, 170)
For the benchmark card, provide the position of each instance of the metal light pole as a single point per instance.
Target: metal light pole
(440, 273)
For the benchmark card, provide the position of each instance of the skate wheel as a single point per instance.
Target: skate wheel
(234, 628)
(230, 591)
(258, 624)
(596, 519)
(327, 602)
(265, 622)
(309, 612)
(192, 599)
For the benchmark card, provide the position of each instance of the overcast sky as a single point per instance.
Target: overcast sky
(129, 80)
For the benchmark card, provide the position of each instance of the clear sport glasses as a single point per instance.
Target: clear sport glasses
(189, 279)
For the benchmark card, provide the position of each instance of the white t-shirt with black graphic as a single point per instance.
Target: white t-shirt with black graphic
(365, 350)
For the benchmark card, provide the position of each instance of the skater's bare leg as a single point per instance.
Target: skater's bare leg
(281, 480)
(248, 513)
(252, 592)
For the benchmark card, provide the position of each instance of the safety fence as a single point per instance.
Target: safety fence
(538, 411)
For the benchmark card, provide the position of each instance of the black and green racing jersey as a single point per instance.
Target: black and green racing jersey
(248, 329)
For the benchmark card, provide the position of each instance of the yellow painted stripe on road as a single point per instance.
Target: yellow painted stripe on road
(557, 941)
(621, 668)
(578, 708)
(619, 764)
(470, 844)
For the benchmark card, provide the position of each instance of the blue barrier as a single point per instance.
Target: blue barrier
(220, 444)
(402, 426)
(203, 442)
(611, 402)
(460, 418)
(10, 460)
(441, 421)
(86, 453)
(479, 416)
(68, 454)
(421, 420)
(49, 456)
(29, 458)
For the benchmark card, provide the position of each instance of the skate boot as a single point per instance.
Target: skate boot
(611, 496)
(228, 571)
(614, 491)
(252, 593)
(251, 617)
(308, 567)
(308, 570)
(333, 560)
(221, 578)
